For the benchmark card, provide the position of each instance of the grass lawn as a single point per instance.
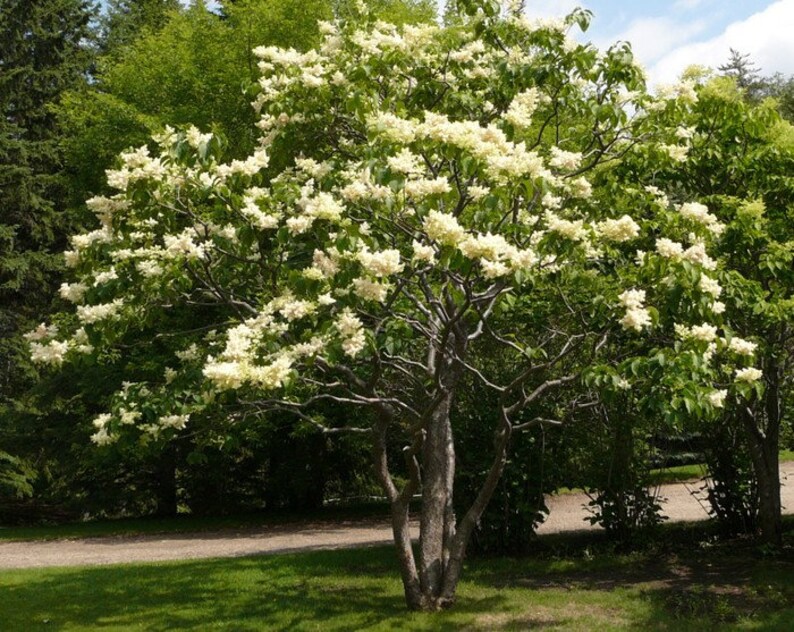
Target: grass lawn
(682, 473)
(686, 583)
(677, 474)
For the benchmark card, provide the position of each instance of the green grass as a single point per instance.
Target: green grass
(570, 585)
(682, 473)
(677, 474)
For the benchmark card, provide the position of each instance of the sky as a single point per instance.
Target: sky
(669, 35)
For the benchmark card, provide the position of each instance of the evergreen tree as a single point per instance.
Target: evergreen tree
(42, 53)
(745, 72)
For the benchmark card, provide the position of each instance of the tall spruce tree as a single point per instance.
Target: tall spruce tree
(741, 67)
(43, 52)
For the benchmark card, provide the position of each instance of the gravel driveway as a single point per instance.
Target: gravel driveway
(683, 502)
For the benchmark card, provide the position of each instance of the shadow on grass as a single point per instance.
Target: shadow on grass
(688, 581)
(335, 590)
(681, 586)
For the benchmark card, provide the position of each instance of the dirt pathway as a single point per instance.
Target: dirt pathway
(567, 513)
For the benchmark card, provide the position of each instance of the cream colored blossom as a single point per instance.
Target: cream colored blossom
(382, 263)
(623, 229)
(52, 352)
(710, 286)
(443, 228)
(717, 398)
(567, 160)
(668, 248)
(422, 252)
(742, 347)
(370, 290)
(94, 313)
(73, 292)
(521, 108)
(748, 375)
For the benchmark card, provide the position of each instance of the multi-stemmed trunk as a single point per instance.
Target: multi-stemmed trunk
(431, 579)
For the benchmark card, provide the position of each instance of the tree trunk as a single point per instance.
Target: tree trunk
(165, 483)
(431, 584)
(437, 520)
(769, 509)
(764, 440)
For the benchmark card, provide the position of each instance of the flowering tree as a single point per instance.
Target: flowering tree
(442, 192)
(738, 162)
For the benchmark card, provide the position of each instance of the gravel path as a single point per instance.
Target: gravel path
(567, 513)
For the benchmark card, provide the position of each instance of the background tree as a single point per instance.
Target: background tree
(744, 72)
(124, 21)
(739, 157)
(42, 54)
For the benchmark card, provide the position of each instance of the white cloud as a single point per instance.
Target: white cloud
(651, 38)
(765, 36)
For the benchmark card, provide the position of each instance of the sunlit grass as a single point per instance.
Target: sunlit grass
(571, 585)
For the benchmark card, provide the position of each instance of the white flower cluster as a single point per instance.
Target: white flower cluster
(637, 315)
(73, 292)
(717, 398)
(370, 290)
(177, 422)
(382, 263)
(622, 229)
(522, 107)
(249, 167)
(567, 160)
(696, 253)
(423, 252)
(678, 153)
(702, 333)
(572, 229)
(406, 162)
(253, 213)
(425, 187)
(183, 245)
(351, 330)
(748, 375)
(503, 160)
(105, 208)
(700, 213)
(102, 436)
(52, 352)
(742, 347)
(710, 286)
(137, 165)
(88, 314)
(361, 187)
(443, 228)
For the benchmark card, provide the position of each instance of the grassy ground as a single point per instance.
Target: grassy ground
(678, 474)
(688, 583)
(683, 473)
